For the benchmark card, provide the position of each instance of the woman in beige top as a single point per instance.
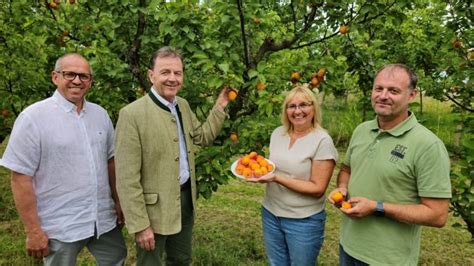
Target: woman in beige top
(293, 215)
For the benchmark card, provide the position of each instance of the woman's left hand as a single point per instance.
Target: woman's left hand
(264, 179)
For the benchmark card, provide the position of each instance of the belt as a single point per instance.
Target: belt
(186, 185)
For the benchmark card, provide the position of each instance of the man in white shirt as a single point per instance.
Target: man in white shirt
(61, 156)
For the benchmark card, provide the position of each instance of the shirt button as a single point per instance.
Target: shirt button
(176, 159)
(175, 139)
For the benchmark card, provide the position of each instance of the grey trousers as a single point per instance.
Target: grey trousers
(109, 249)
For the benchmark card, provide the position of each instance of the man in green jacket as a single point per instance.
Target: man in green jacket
(155, 166)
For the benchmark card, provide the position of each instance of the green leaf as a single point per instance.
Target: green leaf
(269, 109)
(224, 67)
(252, 73)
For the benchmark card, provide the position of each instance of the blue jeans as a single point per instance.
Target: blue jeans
(347, 260)
(291, 241)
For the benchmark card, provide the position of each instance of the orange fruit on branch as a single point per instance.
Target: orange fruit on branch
(233, 137)
(321, 73)
(295, 77)
(232, 95)
(343, 29)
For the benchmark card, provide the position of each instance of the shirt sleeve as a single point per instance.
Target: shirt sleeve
(432, 172)
(326, 150)
(23, 152)
(110, 138)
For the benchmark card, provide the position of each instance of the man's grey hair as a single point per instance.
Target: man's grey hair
(58, 66)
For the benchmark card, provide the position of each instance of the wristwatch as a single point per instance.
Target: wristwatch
(379, 210)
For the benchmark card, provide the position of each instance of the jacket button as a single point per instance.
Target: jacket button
(173, 120)
(175, 139)
(176, 159)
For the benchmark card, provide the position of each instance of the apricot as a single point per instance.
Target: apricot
(343, 29)
(245, 160)
(321, 73)
(269, 167)
(456, 43)
(255, 166)
(260, 86)
(314, 82)
(346, 205)
(337, 197)
(247, 172)
(233, 137)
(295, 77)
(53, 5)
(232, 95)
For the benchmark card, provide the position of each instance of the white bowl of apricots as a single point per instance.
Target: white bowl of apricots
(251, 166)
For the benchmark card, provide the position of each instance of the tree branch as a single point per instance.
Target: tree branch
(244, 37)
(133, 51)
(458, 103)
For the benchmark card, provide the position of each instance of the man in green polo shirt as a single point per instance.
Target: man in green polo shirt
(395, 175)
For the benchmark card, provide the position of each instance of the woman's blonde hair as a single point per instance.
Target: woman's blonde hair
(309, 97)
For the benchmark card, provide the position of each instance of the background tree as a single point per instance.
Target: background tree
(254, 46)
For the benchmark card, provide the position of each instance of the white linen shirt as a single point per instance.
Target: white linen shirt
(66, 154)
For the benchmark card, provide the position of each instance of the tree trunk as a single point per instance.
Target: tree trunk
(421, 102)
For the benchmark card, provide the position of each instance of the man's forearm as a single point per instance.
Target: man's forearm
(343, 176)
(430, 212)
(25, 201)
(112, 179)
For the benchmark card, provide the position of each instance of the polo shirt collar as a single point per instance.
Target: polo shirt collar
(66, 105)
(400, 129)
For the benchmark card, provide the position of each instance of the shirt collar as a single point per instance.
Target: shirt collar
(400, 129)
(163, 100)
(66, 105)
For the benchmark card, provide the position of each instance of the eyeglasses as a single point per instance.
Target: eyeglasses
(68, 75)
(301, 106)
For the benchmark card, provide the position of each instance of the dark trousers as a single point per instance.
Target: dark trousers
(347, 260)
(174, 249)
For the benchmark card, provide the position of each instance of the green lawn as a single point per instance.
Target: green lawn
(228, 232)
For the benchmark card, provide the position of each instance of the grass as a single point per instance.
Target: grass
(228, 232)
(228, 226)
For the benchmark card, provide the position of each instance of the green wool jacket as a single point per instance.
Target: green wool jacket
(147, 162)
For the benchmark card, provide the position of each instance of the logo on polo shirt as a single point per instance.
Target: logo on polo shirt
(398, 153)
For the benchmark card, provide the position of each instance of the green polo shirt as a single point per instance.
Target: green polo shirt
(400, 166)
